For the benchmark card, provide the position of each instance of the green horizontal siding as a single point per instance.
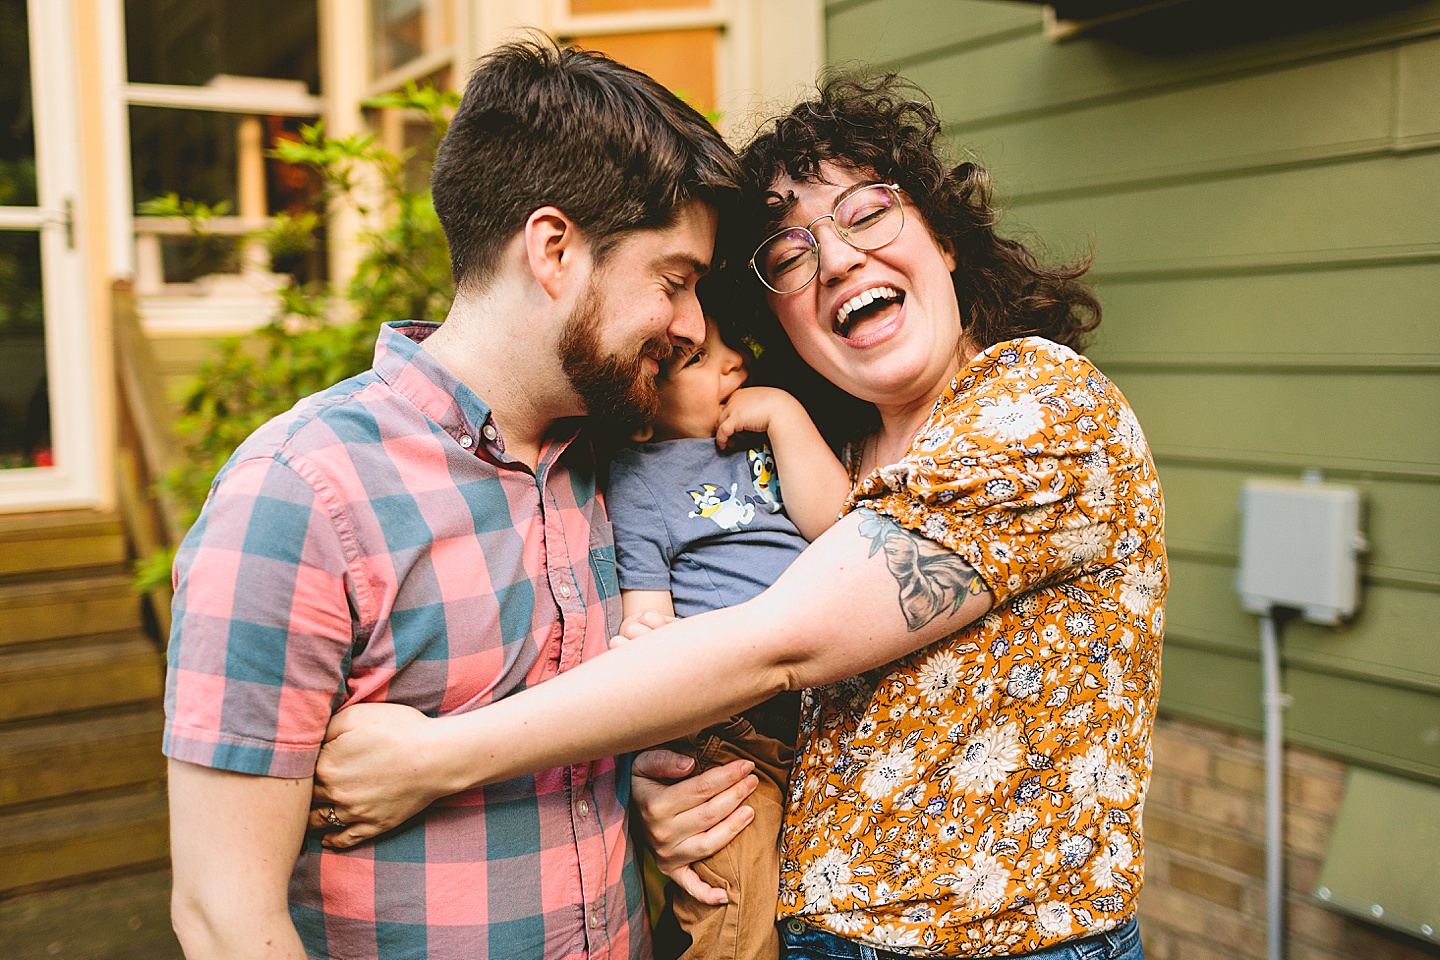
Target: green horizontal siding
(1213, 685)
(1417, 115)
(1306, 112)
(1265, 219)
(1379, 209)
(893, 31)
(1388, 726)
(1392, 640)
(1203, 519)
(1376, 316)
(1032, 74)
(1369, 421)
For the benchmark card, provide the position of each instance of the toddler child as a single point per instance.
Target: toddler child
(700, 524)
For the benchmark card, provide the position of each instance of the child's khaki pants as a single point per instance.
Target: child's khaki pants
(748, 869)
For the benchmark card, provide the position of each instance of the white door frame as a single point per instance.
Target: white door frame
(74, 480)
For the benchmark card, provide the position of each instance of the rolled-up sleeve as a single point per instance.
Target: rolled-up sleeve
(1019, 474)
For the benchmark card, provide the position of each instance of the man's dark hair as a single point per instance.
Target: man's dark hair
(887, 125)
(545, 125)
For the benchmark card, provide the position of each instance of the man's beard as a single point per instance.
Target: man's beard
(619, 389)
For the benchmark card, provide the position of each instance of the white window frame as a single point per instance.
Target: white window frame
(74, 480)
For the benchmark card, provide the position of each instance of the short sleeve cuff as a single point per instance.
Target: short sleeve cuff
(238, 754)
(1003, 571)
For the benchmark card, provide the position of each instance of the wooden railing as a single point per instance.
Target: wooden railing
(149, 266)
(146, 446)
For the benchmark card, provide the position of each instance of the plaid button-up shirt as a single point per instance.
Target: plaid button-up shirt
(376, 543)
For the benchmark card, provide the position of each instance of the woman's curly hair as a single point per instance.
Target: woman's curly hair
(886, 125)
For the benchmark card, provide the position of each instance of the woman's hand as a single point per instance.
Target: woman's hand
(684, 819)
(375, 771)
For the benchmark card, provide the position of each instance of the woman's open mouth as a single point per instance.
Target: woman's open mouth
(877, 303)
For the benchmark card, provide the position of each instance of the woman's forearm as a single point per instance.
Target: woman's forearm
(663, 685)
(843, 607)
(862, 595)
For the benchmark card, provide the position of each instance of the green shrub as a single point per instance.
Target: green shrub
(320, 335)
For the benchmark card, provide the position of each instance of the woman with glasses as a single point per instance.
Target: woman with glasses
(978, 636)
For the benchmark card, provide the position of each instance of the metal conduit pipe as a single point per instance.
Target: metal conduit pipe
(1275, 703)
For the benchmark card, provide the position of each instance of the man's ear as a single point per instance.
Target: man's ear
(554, 249)
(642, 434)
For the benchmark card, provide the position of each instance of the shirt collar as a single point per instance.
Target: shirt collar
(418, 377)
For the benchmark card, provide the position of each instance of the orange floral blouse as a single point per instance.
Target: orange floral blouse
(982, 795)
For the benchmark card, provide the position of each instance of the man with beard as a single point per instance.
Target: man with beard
(428, 533)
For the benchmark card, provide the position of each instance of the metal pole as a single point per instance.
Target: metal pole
(1275, 703)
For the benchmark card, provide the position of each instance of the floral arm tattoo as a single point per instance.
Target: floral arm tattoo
(934, 582)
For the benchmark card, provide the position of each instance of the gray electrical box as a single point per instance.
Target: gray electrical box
(1298, 548)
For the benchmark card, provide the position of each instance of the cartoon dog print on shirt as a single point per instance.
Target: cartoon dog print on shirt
(763, 477)
(728, 512)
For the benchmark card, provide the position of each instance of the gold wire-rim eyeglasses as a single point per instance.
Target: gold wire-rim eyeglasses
(843, 232)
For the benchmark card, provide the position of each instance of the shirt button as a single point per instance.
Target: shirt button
(584, 809)
(466, 441)
(564, 590)
(489, 431)
(596, 919)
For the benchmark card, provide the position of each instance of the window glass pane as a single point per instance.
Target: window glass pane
(17, 122)
(190, 152)
(196, 155)
(189, 42)
(24, 397)
(404, 30)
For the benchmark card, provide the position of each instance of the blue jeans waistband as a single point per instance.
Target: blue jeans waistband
(801, 941)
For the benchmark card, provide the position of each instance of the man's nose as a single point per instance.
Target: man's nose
(688, 323)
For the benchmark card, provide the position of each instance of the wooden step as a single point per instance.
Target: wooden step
(71, 676)
(51, 609)
(76, 755)
(119, 918)
(37, 543)
(72, 840)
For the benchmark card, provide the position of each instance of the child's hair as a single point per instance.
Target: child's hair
(728, 307)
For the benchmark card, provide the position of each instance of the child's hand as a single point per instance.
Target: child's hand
(752, 410)
(639, 625)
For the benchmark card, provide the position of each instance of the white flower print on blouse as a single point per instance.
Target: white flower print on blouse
(1011, 419)
(988, 758)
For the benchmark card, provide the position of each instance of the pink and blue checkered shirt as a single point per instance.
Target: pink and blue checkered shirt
(376, 543)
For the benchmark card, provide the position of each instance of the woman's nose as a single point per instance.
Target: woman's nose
(837, 258)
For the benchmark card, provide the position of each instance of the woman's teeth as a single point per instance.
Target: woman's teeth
(859, 302)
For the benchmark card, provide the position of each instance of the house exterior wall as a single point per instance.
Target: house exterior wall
(1204, 893)
(1265, 219)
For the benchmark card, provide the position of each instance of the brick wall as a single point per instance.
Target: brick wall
(1204, 893)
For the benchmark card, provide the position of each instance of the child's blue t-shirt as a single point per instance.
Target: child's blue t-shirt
(706, 524)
